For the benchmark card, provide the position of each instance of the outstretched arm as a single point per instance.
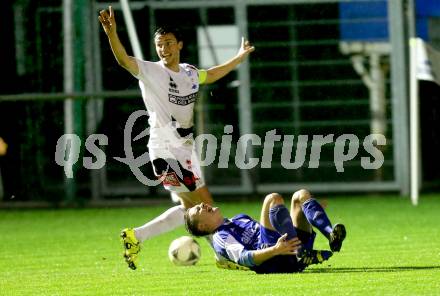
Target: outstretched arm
(107, 19)
(217, 72)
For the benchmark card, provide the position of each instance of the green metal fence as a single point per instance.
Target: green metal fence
(299, 81)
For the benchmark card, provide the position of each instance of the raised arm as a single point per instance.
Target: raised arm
(217, 72)
(107, 19)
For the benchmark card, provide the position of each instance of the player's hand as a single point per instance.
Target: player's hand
(107, 19)
(287, 247)
(245, 49)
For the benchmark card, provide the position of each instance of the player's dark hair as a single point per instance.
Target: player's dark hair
(169, 30)
(192, 226)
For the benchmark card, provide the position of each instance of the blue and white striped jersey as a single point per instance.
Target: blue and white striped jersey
(237, 238)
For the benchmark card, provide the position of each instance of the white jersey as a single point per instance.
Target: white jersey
(169, 98)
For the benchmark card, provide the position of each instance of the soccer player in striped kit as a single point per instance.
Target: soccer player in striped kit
(169, 90)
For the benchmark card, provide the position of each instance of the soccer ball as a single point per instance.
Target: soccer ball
(184, 251)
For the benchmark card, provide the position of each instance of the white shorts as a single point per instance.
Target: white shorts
(178, 166)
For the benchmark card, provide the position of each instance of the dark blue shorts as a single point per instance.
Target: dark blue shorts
(270, 237)
(282, 263)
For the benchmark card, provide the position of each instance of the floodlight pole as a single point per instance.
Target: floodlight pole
(244, 96)
(399, 89)
(69, 183)
(415, 165)
(134, 39)
(414, 123)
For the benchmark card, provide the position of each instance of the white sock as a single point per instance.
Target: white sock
(167, 221)
(174, 197)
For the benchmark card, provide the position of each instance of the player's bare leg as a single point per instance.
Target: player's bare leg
(270, 201)
(298, 218)
(190, 199)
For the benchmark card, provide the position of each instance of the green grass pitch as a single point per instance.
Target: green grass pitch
(392, 248)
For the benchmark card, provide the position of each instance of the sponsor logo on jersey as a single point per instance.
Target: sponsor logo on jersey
(247, 236)
(183, 101)
(172, 83)
(173, 86)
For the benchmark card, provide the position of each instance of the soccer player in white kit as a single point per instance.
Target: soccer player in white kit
(169, 90)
